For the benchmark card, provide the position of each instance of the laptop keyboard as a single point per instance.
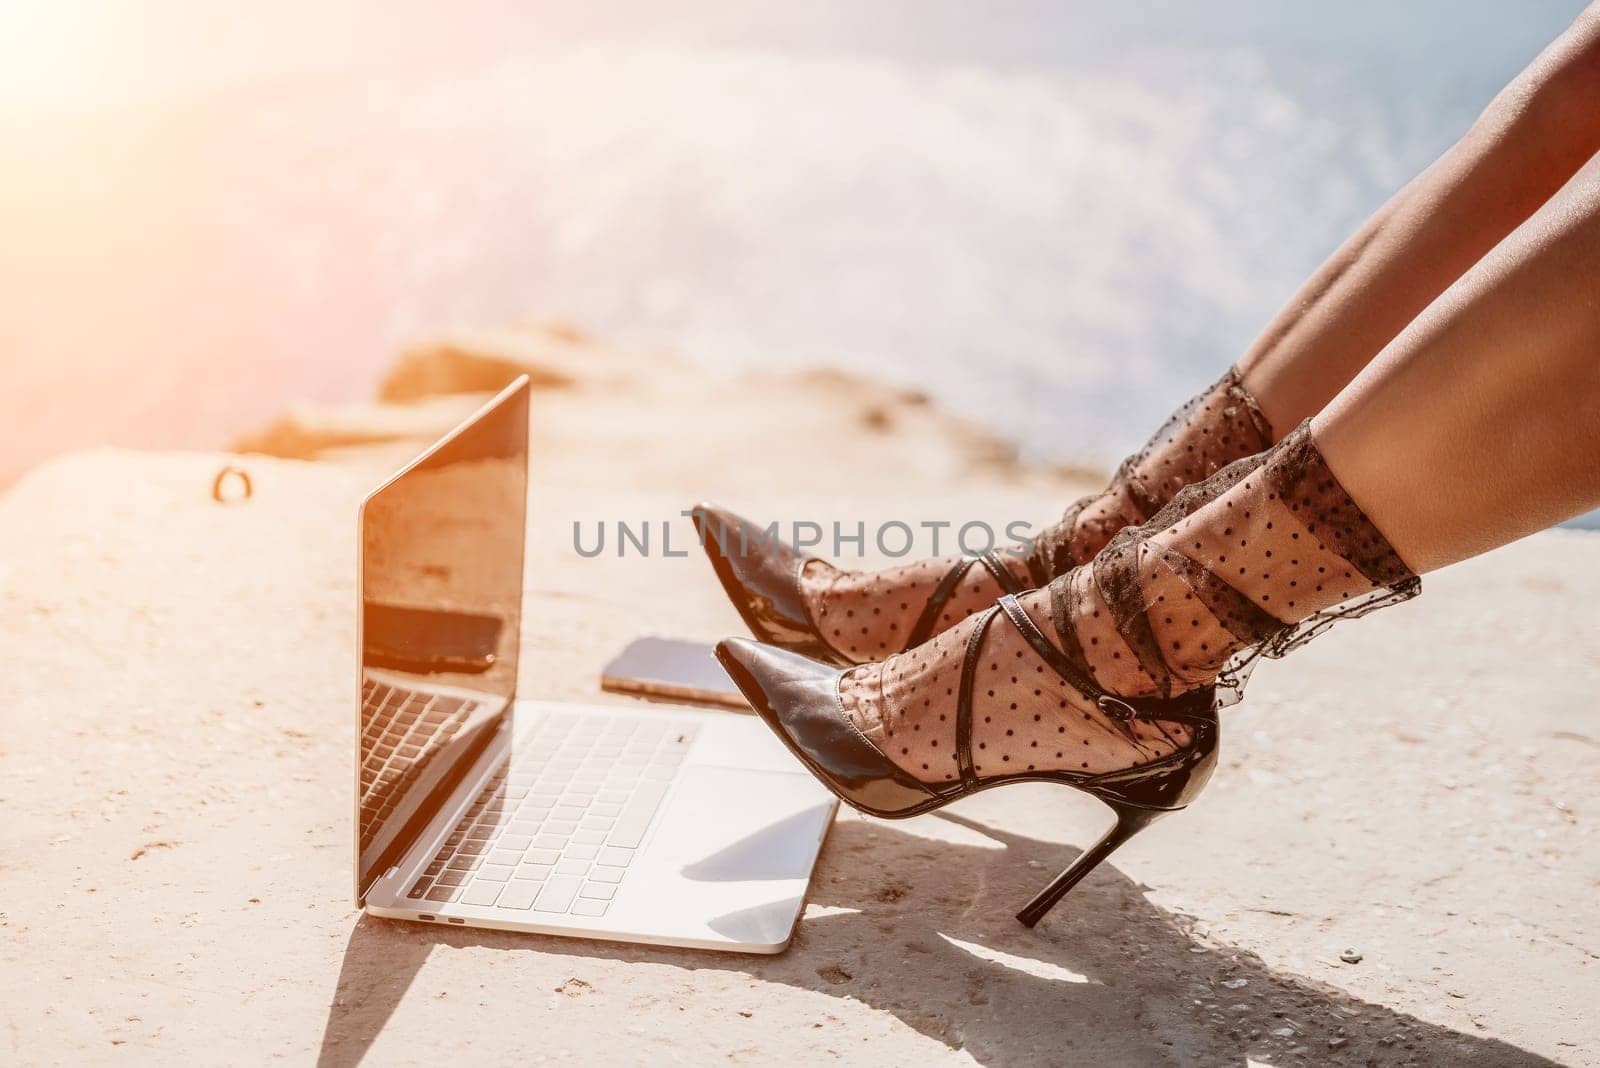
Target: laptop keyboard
(555, 831)
(402, 730)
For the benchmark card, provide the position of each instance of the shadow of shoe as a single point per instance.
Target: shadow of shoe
(923, 930)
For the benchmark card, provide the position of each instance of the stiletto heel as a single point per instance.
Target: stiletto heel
(1207, 558)
(798, 698)
(1131, 819)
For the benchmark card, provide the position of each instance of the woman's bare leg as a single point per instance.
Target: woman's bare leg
(1480, 423)
(1531, 139)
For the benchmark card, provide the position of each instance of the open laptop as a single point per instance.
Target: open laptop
(477, 807)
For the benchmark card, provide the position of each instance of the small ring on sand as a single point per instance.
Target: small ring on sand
(221, 480)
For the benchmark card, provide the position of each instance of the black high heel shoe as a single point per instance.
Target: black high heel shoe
(798, 698)
(761, 575)
(1331, 563)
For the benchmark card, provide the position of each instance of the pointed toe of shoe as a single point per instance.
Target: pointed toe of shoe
(798, 697)
(760, 573)
(778, 682)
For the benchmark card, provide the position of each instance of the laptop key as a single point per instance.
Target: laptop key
(518, 842)
(443, 893)
(513, 857)
(558, 892)
(536, 872)
(573, 867)
(550, 841)
(635, 819)
(589, 907)
(542, 856)
(602, 873)
(418, 890)
(480, 893)
(588, 837)
(463, 863)
(616, 857)
(497, 872)
(453, 878)
(599, 891)
(581, 852)
(519, 894)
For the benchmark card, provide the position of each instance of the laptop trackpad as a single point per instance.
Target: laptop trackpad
(734, 825)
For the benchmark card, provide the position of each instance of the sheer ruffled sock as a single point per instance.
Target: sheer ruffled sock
(1251, 562)
(1212, 430)
(866, 615)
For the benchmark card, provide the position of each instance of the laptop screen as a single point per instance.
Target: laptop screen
(441, 602)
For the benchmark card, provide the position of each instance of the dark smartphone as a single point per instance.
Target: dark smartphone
(671, 670)
(428, 641)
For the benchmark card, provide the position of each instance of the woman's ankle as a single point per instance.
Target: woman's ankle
(1213, 429)
(1248, 559)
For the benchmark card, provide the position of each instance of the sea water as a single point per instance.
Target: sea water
(1059, 219)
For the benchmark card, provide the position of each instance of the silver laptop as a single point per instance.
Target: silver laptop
(475, 806)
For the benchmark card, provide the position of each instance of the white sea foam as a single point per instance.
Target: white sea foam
(1071, 253)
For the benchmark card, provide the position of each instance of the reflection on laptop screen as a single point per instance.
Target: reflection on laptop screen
(441, 591)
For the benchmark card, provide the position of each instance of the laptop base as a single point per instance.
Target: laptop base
(611, 822)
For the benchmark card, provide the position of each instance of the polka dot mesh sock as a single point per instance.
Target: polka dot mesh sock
(866, 615)
(1252, 561)
(1212, 430)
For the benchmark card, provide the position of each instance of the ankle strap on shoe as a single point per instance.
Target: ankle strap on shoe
(1193, 707)
(1076, 674)
(969, 672)
(922, 630)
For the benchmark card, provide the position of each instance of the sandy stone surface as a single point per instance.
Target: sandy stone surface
(176, 716)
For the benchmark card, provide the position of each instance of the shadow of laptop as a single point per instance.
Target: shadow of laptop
(1110, 978)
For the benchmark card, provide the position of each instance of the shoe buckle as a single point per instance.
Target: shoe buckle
(1116, 707)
